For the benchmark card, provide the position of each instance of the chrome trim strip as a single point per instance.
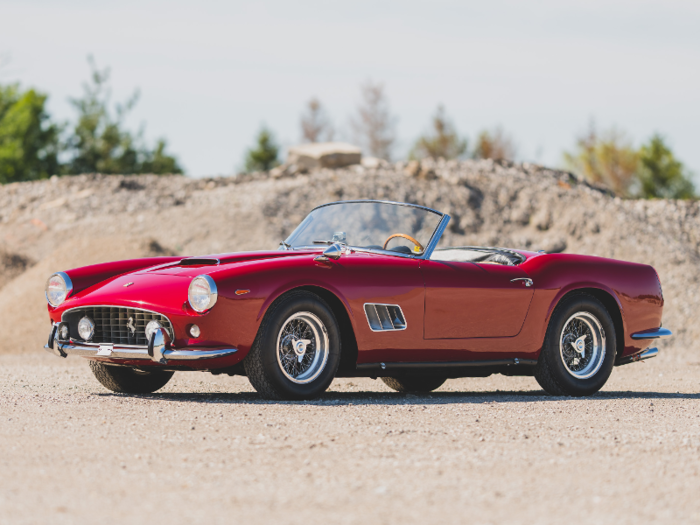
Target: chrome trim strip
(139, 353)
(659, 333)
(364, 309)
(647, 354)
(114, 306)
(354, 201)
(449, 364)
(437, 234)
(383, 252)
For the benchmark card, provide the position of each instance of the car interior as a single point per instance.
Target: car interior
(478, 255)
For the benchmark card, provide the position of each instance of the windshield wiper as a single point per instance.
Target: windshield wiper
(327, 242)
(286, 245)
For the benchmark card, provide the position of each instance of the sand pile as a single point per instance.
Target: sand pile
(66, 222)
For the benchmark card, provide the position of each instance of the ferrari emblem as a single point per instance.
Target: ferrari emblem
(130, 325)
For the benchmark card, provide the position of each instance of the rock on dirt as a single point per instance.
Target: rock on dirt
(324, 155)
(73, 221)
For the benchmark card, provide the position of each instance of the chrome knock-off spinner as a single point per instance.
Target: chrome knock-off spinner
(582, 345)
(302, 347)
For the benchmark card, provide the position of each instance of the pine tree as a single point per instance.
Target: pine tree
(100, 143)
(29, 140)
(661, 175)
(607, 159)
(264, 156)
(443, 142)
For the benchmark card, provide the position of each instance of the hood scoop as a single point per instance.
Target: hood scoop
(199, 261)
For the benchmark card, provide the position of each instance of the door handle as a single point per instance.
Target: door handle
(528, 282)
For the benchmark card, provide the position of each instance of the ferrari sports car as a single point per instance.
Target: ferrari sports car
(359, 289)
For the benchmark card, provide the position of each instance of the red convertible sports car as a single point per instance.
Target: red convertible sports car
(360, 288)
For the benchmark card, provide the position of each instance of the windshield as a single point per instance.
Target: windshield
(369, 225)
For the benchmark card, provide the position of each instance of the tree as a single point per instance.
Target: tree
(315, 124)
(100, 143)
(496, 145)
(29, 141)
(661, 175)
(444, 142)
(374, 126)
(606, 159)
(265, 154)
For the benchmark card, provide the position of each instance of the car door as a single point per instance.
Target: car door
(466, 299)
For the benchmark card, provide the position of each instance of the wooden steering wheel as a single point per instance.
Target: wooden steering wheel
(403, 236)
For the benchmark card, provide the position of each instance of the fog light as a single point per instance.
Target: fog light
(195, 331)
(86, 328)
(63, 332)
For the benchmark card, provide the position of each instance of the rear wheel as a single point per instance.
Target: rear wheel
(297, 350)
(579, 349)
(414, 383)
(129, 380)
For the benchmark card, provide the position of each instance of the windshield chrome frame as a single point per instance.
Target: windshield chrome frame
(429, 249)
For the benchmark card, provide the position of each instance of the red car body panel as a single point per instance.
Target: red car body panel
(454, 311)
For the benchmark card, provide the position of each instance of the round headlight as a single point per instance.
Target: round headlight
(202, 294)
(152, 327)
(58, 287)
(86, 328)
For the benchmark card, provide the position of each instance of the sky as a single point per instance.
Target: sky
(212, 73)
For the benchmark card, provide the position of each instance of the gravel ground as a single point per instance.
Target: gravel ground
(207, 449)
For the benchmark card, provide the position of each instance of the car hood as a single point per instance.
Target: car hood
(203, 264)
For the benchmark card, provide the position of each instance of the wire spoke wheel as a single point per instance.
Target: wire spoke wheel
(302, 347)
(582, 345)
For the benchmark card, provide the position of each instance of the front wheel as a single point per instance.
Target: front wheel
(578, 354)
(297, 350)
(127, 380)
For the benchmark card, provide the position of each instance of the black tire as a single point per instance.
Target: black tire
(265, 368)
(552, 372)
(417, 384)
(127, 380)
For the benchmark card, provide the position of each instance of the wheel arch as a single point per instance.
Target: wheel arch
(348, 342)
(611, 304)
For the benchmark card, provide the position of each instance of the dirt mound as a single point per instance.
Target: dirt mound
(73, 221)
(11, 265)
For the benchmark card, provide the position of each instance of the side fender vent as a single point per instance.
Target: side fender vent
(384, 317)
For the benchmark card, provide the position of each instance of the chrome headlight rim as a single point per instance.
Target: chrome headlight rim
(67, 283)
(213, 293)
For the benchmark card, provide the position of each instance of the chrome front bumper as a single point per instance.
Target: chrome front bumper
(157, 350)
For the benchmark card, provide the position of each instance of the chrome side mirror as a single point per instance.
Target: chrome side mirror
(334, 251)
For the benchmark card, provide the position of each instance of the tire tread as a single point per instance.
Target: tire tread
(125, 380)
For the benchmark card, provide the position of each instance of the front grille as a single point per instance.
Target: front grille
(112, 324)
